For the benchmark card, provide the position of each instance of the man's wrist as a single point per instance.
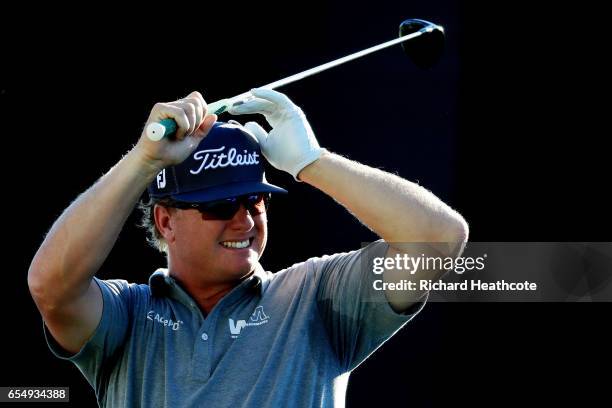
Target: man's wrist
(311, 169)
(147, 167)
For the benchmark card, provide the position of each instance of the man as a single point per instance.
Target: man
(214, 329)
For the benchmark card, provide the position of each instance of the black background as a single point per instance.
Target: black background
(509, 129)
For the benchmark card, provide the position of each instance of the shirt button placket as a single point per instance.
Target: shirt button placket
(201, 362)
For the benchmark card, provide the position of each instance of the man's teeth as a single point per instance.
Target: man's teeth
(236, 244)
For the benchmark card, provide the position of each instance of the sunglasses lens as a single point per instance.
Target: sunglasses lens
(219, 210)
(257, 204)
(226, 209)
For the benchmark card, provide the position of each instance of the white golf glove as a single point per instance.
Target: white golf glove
(291, 144)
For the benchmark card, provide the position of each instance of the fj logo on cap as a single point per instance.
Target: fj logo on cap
(161, 179)
(216, 158)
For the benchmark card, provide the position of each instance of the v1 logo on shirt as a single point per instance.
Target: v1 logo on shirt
(258, 317)
(236, 327)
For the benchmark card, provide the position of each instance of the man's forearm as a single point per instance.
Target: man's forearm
(395, 209)
(81, 238)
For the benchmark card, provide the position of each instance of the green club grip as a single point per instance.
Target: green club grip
(158, 130)
(166, 127)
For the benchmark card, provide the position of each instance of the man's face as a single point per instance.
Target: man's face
(213, 246)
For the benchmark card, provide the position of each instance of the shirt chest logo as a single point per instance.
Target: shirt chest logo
(156, 317)
(258, 317)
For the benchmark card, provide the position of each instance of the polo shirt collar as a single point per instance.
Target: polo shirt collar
(164, 285)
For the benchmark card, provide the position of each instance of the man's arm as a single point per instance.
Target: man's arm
(60, 277)
(397, 210)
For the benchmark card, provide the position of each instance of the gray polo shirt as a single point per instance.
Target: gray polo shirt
(288, 339)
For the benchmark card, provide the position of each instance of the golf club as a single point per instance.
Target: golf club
(424, 51)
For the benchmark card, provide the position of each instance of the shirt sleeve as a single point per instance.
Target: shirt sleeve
(358, 318)
(96, 357)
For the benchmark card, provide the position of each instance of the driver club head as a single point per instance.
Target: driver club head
(426, 49)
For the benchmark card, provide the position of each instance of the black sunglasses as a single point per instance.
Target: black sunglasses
(225, 209)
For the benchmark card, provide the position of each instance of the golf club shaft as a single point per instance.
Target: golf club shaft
(156, 131)
(331, 64)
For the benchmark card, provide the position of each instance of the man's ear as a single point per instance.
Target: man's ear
(163, 222)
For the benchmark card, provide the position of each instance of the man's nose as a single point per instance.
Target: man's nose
(243, 218)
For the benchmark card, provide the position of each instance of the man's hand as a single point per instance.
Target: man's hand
(291, 144)
(193, 124)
